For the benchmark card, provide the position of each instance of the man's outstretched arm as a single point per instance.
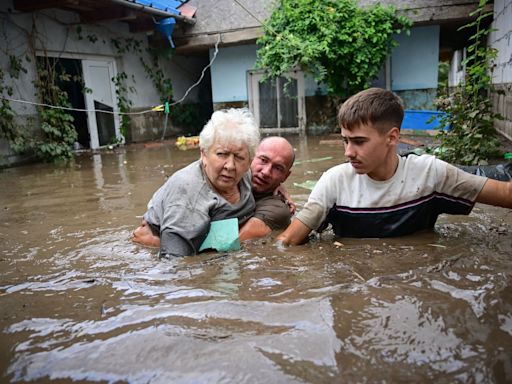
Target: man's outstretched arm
(497, 193)
(296, 233)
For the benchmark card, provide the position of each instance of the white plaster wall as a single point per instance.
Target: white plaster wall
(57, 36)
(13, 41)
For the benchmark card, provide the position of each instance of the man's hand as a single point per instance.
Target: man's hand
(281, 190)
(296, 233)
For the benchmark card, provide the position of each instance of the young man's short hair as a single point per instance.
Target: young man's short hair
(376, 106)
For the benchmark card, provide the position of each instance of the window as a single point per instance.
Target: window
(278, 104)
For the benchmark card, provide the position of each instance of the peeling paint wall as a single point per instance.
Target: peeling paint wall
(501, 39)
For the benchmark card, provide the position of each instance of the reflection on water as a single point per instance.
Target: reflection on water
(79, 302)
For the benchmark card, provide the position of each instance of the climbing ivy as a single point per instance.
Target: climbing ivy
(471, 138)
(57, 131)
(123, 102)
(9, 130)
(336, 41)
(7, 126)
(57, 134)
(154, 71)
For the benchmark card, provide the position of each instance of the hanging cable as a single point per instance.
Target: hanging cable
(202, 73)
(75, 109)
(154, 109)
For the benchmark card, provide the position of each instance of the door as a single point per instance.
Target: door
(278, 105)
(101, 102)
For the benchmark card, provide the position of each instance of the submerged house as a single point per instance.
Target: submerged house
(130, 55)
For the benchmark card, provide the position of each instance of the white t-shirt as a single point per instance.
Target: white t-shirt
(422, 188)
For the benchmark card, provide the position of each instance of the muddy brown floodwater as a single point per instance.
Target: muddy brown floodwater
(79, 302)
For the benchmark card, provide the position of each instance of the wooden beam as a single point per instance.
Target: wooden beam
(442, 14)
(203, 41)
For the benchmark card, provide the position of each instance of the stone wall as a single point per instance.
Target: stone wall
(503, 105)
(500, 39)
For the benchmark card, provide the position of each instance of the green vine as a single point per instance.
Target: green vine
(57, 134)
(336, 41)
(162, 84)
(123, 102)
(471, 138)
(9, 129)
(57, 131)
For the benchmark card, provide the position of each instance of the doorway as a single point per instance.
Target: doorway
(89, 86)
(72, 84)
(101, 102)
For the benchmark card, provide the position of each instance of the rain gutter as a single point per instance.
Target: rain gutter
(153, 11)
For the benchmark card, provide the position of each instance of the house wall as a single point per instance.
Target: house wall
(56, 35)
(500, 39)
(229, 75)
(414, 67)
(229, 87)
(414, 71)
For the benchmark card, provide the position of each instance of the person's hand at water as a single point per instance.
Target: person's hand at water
(280, 246)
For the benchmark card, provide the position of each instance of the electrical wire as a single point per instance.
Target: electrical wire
(202, 73)
(154, 109)
(74, 109)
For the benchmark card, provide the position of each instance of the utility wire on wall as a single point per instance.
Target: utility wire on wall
(154, 109)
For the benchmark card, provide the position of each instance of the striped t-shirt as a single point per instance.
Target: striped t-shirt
(422, 188)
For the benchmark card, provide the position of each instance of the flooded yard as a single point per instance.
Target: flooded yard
(80, 302)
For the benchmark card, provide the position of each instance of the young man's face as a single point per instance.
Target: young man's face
(371, 152)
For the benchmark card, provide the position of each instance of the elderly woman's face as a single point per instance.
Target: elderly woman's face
(225, 165)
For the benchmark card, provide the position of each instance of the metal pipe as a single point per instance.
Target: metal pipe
(153, 11)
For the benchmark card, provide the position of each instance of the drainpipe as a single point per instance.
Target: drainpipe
(153, 11)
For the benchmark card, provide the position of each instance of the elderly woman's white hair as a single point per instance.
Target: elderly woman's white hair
(234, 126)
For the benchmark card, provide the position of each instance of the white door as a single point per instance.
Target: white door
(103, 126)
(278, 105)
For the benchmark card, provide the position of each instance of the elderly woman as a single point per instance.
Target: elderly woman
(215, 187)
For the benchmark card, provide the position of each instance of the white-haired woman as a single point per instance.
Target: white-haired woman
(215, 187)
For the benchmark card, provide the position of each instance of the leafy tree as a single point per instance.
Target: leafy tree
(336, 41)
(471, 138)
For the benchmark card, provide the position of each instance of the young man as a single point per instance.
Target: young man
(380, 194)
(270, 167)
